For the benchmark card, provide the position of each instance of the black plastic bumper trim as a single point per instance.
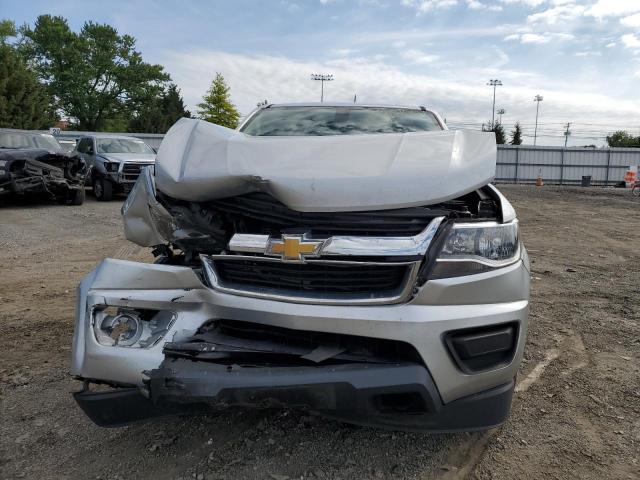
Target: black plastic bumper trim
(363, 394)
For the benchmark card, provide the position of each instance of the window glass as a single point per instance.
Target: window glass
(28, 140)
(46, 141)
(276, 121)
(83, 145)
(123, 145)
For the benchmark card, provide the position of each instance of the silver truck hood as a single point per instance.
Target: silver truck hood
(200, 161)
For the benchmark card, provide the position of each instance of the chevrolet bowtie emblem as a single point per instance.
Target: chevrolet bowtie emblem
(294, 247)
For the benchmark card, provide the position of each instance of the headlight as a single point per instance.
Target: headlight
(135, 328)
(112, 166)
(477, 247)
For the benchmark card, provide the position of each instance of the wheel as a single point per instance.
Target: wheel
(77, 196)
(102, 189)
(636, 191)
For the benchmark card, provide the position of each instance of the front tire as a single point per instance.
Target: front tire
(102, 189)
(77, 196)
(635, 191)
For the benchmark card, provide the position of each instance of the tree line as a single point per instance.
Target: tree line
(95, 78)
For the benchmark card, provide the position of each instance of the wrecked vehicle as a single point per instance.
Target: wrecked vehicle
(115, 162)
(33, 163)
(353, 261)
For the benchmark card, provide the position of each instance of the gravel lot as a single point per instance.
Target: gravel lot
(576, 415)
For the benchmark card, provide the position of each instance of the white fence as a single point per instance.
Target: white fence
(564, 166)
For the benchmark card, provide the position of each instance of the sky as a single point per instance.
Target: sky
(582, 56)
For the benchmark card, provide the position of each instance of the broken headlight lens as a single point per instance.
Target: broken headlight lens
(477, 247)
(135, 328)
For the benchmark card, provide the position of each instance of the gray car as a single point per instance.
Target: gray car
(114, 162)
(350, 260)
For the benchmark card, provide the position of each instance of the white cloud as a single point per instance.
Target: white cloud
(558, 14)
(343, 52)
(613, 8)
(538, 38)
(631, 21)
(529, 3)
(630, 41)
(534, 38)
(637, 74)
(477, 5)
(418, 57)
(611, 44)
(423, 6)
(588, 53)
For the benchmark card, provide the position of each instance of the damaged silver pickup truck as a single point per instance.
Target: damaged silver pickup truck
(350, 260)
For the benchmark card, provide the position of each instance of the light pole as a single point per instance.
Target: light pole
(494, 82)
(567, 132)
(500, 113)
(322, 77)
(538, 99)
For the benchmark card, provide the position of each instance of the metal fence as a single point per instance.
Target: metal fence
(151, 139)
(564, 166)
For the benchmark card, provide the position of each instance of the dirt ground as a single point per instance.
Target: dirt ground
(576, 413)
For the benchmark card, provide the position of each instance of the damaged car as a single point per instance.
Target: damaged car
(353, 261)
(114, 162)
(34, 163)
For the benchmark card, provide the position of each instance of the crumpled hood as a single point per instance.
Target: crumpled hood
(200, 161)
(129, 157)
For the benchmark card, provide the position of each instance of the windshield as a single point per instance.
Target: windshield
(28, 140)
(123, 145)
(277, 121)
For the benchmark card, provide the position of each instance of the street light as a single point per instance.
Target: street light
(538, 99)
(500, 113)
(322, 77)
(494, 82)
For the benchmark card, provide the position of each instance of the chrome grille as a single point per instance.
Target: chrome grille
(314, 281)
(131, 171)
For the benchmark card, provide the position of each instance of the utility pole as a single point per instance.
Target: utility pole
(567, 132)
(322, 77)
(538, 99)
(355, 97)
(500, 113)
(494, 82)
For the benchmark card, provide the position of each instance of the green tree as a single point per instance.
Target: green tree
(24, 101)
(95, 75)
(498, 130)
(516, 135)
(623, 139)
(160, 113)
(216, 106)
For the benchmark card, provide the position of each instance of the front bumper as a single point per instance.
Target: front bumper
(486, 299)
(364, 395)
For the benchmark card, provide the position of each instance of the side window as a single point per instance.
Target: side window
(83, 146)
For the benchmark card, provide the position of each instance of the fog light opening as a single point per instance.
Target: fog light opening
(125, 327)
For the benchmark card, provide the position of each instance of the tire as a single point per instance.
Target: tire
(635, 191)
(77, 196)
(102, 189)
